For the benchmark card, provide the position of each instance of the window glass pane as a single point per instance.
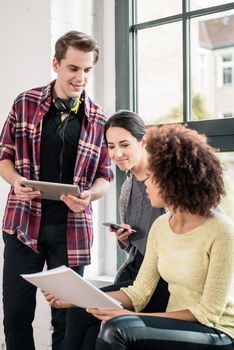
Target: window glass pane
(227, 76)
(212, 65)
(148, 10)
(228, 115)
(227, 203)
(160, 82)
(227, 58)
(199, 4)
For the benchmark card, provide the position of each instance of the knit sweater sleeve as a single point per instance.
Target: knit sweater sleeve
(147, 278)
(219, 281)
(123, 204)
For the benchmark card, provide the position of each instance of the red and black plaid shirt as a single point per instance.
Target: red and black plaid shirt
(20, 143)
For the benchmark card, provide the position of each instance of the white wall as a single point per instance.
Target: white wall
(28, 31)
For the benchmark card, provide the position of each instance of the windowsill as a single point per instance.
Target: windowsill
(101, 280)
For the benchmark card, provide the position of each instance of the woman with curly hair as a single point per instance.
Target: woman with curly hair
(191, 247)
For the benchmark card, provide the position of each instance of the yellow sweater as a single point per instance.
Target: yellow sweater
(199, 269)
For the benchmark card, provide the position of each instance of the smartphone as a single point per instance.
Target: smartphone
(115, 226)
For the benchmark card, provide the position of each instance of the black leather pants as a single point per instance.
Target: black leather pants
(83, 328)
(152, 333)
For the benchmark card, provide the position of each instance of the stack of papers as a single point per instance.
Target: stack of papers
(67, 285)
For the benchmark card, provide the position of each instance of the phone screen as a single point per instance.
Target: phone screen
(115, 226)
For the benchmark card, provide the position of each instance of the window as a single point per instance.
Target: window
(199, 4)
(227, 76)
(225, 68)
(212, 37)
(227, 115)
(159, 74)
(169, 57)
(147, 11)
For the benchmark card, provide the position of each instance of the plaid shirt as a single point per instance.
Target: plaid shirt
(20, 143)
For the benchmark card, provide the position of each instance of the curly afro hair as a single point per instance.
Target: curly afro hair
(185, 167)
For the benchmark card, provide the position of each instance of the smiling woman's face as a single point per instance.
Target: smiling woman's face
(124, 149)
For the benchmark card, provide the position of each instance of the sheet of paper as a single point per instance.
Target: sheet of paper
(67, 285)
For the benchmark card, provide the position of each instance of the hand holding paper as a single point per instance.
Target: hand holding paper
(56, 302)
(67, 285)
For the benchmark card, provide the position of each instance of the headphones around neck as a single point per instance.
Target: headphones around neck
(67, 106)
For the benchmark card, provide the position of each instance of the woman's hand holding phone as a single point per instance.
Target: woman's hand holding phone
(122, 232)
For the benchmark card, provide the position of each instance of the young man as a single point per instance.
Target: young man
(53, 133)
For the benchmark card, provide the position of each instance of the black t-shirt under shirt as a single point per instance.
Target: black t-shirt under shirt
(59, 142)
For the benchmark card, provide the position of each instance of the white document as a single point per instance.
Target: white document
(67, 285)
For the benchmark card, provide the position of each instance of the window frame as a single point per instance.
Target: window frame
(220, 132)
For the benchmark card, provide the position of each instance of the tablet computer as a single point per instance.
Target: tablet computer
(52, 190)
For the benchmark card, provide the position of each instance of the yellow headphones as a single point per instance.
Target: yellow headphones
(67, 106)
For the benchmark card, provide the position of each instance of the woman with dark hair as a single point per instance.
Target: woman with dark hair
(124, 133)
(191, 247)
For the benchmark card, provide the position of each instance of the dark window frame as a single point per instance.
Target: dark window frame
(220, 132)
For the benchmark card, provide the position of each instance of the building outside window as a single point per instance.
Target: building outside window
(159, 59)
(226, 68)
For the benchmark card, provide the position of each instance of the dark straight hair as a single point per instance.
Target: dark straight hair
(129, 121)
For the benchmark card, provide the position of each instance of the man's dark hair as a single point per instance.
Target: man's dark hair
(79, 41)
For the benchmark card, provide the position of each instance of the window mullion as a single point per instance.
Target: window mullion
(186, 62)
